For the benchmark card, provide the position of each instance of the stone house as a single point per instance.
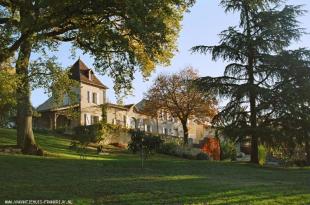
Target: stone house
(91, 94)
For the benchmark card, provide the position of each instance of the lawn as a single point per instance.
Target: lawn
(118, 179)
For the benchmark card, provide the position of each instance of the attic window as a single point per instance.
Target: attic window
(90, 75)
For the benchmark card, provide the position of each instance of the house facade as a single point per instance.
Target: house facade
(91, 96)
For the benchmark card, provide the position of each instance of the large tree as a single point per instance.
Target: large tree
(289, 120)
(123, 36)
(178, 95)
(266, 28)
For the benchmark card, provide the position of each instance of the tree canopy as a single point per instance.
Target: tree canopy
(266, 28)
(177, 94)
(122, 36)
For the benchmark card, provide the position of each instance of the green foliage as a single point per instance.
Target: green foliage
(291, 111)
(252, 49)
(182, 151)
(288, 154)
(8, 85)
(123, 36)
(202, 156)
(96, 133)
(60, 130)
(262, 154)
(87, 134)
(176, 180)
(104, 117)
(48, 74)
(169, 148)
(144, 141)
(228, 150)
(108, 131)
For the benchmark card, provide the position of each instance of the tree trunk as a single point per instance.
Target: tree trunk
(307, 149)
(25, 137)
(185, 132)
(157, 126)
(252, 91)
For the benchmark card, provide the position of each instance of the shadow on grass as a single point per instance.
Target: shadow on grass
(120, 181)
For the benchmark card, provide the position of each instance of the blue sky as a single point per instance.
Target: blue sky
(201, 26)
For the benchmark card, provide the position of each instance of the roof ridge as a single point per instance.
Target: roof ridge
(78, 73)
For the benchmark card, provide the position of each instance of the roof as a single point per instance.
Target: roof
(47, 105)
(80, 72)
(122, 107)
(50, 105)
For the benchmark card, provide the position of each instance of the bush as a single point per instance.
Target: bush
(228, 150)
(168, 148)
(89, 133)
(202, 156)
(146, 141)
(186, 152)
(60, 130)
(262, 154)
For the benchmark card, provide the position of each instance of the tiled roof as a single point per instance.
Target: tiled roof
(50, 105)
(47, 105)
(80, 72)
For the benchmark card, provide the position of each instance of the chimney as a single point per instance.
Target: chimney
(90, 75)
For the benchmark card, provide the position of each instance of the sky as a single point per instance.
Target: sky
(200, 26)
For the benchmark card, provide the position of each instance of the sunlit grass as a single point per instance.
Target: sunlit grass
(117, 178)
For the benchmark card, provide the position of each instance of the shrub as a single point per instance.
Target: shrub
(228, 150)
(89, 133)
(60, 130)
(168, 148)
(262, 154)
(141, 140)
(202, 156)
(186, 152)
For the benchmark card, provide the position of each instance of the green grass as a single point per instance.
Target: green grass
(118, 179)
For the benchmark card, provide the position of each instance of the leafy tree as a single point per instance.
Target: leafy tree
(8, 85)
(290, 116)
(178, 95)
(123, 36)
(266, 28)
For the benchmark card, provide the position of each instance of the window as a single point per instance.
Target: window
(94, 119)
(165, 115)
(88, 96)
(124, 120)
(148, 128)
(85, 119)
(176, 131)
(103, 97)
(165, 131)
(95, 98)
